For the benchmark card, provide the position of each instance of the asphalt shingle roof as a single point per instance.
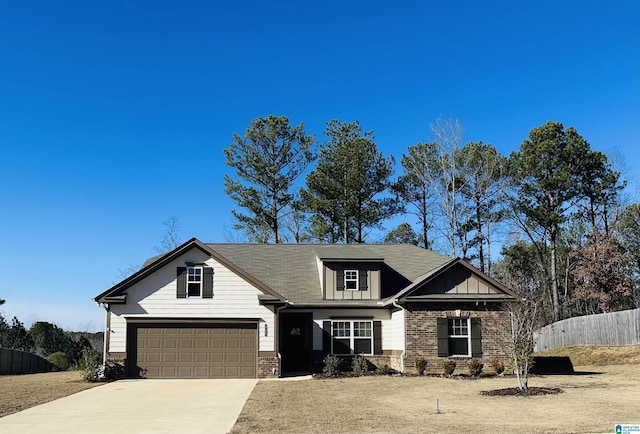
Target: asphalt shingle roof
(292, 271)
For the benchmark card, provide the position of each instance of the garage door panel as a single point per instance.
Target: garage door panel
(196, 351)
(201, 357)
(201, 343)
(186, 357)
(186, 343)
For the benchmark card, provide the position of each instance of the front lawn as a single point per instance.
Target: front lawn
(591, 402)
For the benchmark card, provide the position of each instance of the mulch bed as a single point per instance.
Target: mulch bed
(514, 391)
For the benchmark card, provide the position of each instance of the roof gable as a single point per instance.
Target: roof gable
(116, 294)
(456, 280)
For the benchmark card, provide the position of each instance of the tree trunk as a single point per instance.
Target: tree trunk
(554, 274)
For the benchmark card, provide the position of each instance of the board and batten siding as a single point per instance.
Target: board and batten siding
(330, 282)
(155, 297)
(382, 315)
(457, 281)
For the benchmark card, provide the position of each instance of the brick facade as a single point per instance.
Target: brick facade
(422, 336)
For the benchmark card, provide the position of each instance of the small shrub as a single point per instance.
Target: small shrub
(449, 366)
(475, 367)
(59, 360)
(421, 366)
(88, 364)
(384, 370)
(360, 365)
(497, 365)
(331, 365)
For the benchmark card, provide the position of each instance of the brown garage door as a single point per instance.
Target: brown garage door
(194, 351)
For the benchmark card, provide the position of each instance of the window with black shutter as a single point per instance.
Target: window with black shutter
(194, 282)
(459, 337)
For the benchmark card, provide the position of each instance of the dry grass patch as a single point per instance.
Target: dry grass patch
(597, 356)
(20, 392)
(590, 403)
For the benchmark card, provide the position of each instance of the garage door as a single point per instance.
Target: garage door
(194, 351)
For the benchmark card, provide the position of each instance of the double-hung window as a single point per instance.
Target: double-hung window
(459, 336)
(351, 280)
(352, 337)
(194, 281)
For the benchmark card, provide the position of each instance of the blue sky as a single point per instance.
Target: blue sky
(114, 114)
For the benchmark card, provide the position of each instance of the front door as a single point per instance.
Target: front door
(295, 342)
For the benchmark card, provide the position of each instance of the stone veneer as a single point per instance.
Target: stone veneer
(422, 334)
(268, 366)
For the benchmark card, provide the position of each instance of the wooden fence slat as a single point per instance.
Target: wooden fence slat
(607, 329)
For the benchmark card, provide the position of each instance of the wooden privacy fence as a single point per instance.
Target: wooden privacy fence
(21, 362)
(608, 329)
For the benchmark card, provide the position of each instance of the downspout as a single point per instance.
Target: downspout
(107, 331)
(276, 338)
(404, 334)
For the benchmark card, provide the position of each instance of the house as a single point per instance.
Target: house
(258, 310)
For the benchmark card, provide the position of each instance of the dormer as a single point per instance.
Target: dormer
(350, 273)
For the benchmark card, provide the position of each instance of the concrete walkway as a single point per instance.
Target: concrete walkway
(139, 406)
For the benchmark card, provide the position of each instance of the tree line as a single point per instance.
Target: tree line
(548, 219)
(46, 340)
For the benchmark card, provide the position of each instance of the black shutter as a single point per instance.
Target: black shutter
(377, 338)
(207, 282)
(326, 337)
(476, 337)
(443, 337)
(340, 280)
(362, 280)
(181, 287)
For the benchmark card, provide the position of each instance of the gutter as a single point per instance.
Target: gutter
(404, 334)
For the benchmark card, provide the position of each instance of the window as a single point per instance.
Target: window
(194, 281)
(351, 280)
(459, 338)
(352, 337)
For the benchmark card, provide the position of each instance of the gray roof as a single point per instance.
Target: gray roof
(291, 270)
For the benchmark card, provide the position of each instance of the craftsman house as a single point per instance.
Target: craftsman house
(258, 310)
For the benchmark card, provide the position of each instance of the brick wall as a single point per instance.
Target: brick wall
(422, 335)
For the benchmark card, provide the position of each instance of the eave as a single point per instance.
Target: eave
(443, 298)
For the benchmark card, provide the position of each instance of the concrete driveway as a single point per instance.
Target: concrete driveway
(139, 406)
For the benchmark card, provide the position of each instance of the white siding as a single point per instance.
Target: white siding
(155, 297)
(377, 314)
(397, 331)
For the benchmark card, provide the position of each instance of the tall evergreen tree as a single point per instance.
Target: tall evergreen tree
(343, 192)
(484, 194)
(548, 169)
(267, 159)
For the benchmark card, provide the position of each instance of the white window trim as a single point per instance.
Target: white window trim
(357, 280)
(467, 336)
(351, 336)
(200, 282)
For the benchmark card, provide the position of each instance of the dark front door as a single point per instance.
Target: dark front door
(295, 342)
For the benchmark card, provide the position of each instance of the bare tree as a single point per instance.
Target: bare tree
(519, 340)
(448, 134)
(171, 236)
